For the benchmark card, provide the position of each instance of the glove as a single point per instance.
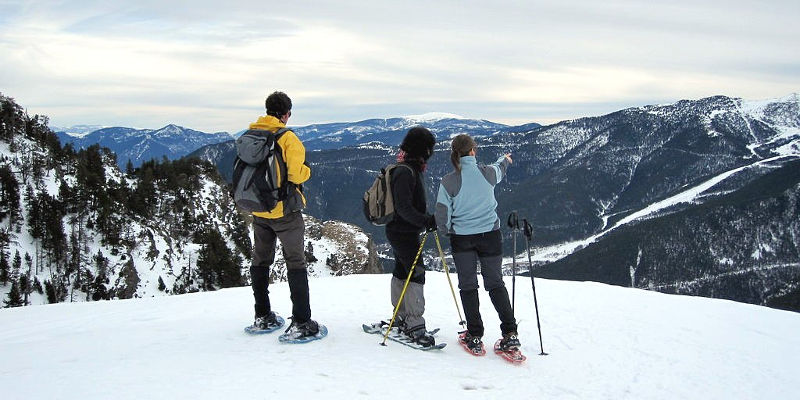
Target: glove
(430, 224)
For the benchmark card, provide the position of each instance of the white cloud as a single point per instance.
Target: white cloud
(208, 66)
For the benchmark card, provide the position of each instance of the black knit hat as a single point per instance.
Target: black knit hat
(418, 143)
(278, 104)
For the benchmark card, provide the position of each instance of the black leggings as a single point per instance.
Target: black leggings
(486, 248)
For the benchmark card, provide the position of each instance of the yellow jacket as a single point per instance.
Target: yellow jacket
(294, 153)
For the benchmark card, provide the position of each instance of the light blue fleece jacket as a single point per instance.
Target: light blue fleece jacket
(465, 204)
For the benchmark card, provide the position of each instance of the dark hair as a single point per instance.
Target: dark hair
(461, 146)
(278, 104)
(418, 143)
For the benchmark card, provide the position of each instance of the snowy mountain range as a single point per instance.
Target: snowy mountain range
(603, 342)
(585, 184)
(391, 131)
(173, 142)
(140, 145)
(577, 180)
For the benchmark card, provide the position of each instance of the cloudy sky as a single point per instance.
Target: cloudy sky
(208, 65)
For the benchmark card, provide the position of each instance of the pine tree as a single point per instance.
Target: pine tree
(98, 286)
(9, 195)
(34, 212)
(91, 174)
(14, 298)
(29, 262)
(17, 263)
(5, 270)
(24, 288)
(15, 270)
(216, 264)
(37, 286)
(24, 279)
(56, 291)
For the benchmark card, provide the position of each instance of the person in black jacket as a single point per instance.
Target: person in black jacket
(411, 218)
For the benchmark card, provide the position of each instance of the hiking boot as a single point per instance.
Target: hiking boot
(399, 324)
(510, 341)
(421, 337)
(473, 343)
(299, 330)
(265, 322)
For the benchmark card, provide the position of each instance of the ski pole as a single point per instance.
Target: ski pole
(403, 293)
(528, 231)
(447, 273)
(513, 223)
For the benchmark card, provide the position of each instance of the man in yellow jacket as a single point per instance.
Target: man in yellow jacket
(284, 222)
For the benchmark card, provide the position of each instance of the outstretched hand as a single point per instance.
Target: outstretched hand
(508, 157)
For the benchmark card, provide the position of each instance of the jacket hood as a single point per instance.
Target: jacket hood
(267, 122)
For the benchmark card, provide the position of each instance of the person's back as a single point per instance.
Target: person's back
(466, 212)
(284, 222)
(472, 192)
(410, 219)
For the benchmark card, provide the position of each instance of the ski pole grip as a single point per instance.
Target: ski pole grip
(527, 228)
(513, 220)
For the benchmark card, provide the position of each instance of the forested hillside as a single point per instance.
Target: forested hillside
(73, 227)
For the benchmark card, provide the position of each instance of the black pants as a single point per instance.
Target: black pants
(290, 229)
(486, 248)
(405, 246)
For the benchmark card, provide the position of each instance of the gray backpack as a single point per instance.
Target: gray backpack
(378, 201)
(258, 168)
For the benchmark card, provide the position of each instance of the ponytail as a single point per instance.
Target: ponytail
(461, 146)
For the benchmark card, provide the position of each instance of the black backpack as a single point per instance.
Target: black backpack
(259, 165)
(378, 201)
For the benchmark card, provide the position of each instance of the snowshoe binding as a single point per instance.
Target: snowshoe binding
(397, 335)
(508, 348)
(303, 332)
(265, 324)
(421, 337)
(472, 344)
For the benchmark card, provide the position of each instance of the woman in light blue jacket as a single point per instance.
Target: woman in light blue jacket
(466, 212)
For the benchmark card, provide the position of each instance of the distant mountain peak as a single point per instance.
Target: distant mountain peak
(139, 145)
(433, 116)
(77, 130)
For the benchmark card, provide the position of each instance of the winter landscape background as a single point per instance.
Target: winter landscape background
(90, 231)
(79, 227)
(646, 197)
(656, 152)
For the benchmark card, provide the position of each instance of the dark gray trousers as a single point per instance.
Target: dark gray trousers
(405, 247)
(290, 229)
(486, 248)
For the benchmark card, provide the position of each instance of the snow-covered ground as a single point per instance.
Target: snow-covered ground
(604, 342)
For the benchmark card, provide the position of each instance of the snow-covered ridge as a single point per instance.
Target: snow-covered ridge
(756, 108)
(432, 116)
(78, 131)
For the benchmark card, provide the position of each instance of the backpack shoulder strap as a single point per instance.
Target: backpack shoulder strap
(393, 166)
(264, 132)
(280, 132)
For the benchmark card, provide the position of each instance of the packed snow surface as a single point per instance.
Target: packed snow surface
(604, 342)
